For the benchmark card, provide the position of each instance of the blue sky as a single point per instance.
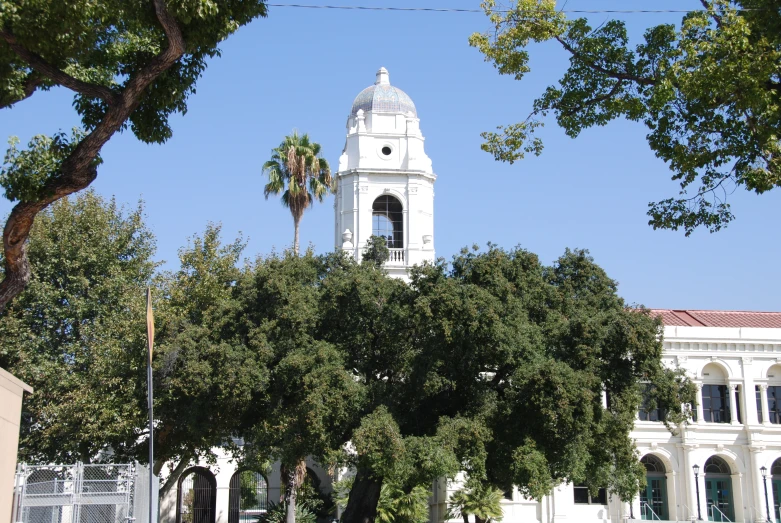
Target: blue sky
(301, 68)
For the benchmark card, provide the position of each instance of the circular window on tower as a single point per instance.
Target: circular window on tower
(385, 151)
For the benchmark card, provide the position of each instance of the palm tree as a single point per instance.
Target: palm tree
(479, 499)
(296, 168)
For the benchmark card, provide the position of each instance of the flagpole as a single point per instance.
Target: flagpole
(150, 333)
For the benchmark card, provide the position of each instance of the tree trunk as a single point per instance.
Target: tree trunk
(465, 516)
(174, 476)
(78, 170)
(364, 496)
(293, 482)
(296, 222)
(290, 499)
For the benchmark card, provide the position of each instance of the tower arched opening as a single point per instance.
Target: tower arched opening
(388, 220)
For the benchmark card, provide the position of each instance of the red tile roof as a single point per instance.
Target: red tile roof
(694, 318)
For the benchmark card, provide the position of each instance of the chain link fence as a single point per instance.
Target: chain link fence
(81, 493)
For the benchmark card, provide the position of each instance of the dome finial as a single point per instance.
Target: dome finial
(382, 77)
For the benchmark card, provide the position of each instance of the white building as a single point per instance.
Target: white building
(385, 183)
(385, 187)
(735, 359)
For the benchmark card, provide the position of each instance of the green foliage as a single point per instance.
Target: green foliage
(207, 379)
(342, 490)
(396, 505)
(495, 364)
(478, 499)
(277, 513)
(109, 43)
(78, 336)
(708, 92)
(75, 335)
(376, 251)
(25, 172)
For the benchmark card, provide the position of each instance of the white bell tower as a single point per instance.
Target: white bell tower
(385, 184)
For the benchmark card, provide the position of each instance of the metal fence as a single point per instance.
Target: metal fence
(81, 494)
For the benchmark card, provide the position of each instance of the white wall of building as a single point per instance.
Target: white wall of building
(384, 155)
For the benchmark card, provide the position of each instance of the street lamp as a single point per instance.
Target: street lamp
(763, 470)
(696, 469)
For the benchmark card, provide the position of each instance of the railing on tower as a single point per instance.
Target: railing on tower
(395, 257)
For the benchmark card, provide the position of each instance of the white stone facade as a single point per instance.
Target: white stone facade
(739, 358)
(384, 157)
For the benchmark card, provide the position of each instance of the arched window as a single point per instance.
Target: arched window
(248, 496)
(715, 395)
(718, 490)
(653, 464)
(653, 500)
(388, 221)
(197, 497)
(775, 481)
(716, 465)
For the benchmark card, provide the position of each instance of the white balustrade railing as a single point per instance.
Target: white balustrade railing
(395, 257)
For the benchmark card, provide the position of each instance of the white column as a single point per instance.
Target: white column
(758, 499)
(562, 499)
(688, 462)
(700, 415)
(672, 495)
(733, 399)
(751, 416)
(737, 497)
(765, 411)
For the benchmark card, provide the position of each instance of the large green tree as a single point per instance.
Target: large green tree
(313, 399)
(130, 65)
(207, 379)
(77, 335)
(298, 172)
(497, 365)
(708, 90)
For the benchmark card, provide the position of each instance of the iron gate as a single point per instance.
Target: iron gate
(248, 496)
(74, 493)
(197, 497)
(83, 494)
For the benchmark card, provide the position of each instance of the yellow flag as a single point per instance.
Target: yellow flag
(150, 323)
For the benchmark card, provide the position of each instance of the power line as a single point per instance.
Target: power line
(458, 10)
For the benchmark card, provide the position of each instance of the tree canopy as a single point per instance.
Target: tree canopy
(496, 365)
(130, 64)
(77, 335)
(515, 372)
(74, 333)
(708, 90)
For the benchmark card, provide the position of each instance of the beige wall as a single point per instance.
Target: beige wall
(11, 391)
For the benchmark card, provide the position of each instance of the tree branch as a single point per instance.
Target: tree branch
(30, 85)
(642, 80)
(78, 170)
(174, 476)
(593, 101)
(716, 18)
(43, 67)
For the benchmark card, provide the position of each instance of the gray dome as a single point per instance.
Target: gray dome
(382, 97)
